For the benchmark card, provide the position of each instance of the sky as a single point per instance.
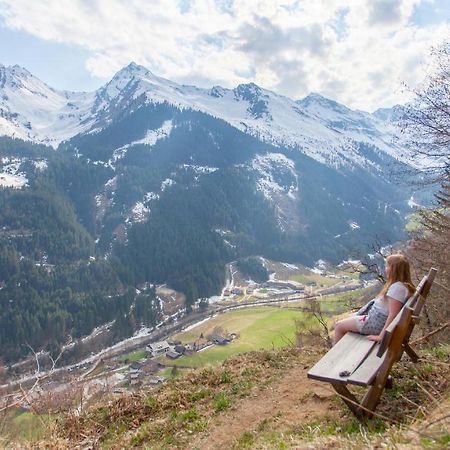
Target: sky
(366, 54)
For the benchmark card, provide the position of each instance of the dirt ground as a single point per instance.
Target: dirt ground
(292, 400)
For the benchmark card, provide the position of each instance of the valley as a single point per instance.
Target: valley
(263, 319)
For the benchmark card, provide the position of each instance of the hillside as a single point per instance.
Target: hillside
(262, 400)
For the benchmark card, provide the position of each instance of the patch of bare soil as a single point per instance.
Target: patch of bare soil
(293, 399)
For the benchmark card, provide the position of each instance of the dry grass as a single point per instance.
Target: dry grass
(194, 405)
(169, 416)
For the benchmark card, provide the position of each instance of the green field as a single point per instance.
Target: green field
(318, 279)
(336, 303)
(19, 425)
(261, 327)
(324, 281)
(134, 356)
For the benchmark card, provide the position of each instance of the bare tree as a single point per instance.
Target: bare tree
(318, 332)
(426, 120)
(427, 126)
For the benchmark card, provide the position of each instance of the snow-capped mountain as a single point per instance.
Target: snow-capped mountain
(320, 128)
(32, 110)
(146, 134)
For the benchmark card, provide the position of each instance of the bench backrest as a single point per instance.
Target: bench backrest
(409, 313)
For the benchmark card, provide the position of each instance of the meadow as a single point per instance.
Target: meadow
(257, 328)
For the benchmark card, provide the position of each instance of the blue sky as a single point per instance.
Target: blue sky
(359, 52)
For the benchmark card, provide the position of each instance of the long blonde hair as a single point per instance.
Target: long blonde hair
(399, 270)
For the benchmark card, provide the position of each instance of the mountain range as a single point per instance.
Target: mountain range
(323, 129)
(166, 183)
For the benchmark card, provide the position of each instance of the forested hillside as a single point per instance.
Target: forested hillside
(54, 284)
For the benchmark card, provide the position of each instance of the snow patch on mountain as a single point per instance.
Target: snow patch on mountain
(166, 183)
(40, 165)
(10, 174)
(277, 175)
(151, 138)
(200, 169)
(16, 181)
(149, 196)
(139, 213)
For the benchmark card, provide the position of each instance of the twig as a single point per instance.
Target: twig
(430, 396)
(423, 338)
(287, 340)
(410, 401)
(38, 377)
(442, 286)
(434, 361)
(439, 419)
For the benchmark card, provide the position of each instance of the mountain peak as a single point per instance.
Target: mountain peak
(17, 77)
(15, 71)
(393, 114)
(315, 98)
(248, 91)
(133, 70)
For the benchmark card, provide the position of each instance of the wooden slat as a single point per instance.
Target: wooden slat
(346, 355)
(367, 371)
(411, 353)
(419, 290)
(424, 291)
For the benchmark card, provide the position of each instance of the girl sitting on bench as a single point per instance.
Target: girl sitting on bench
(373, 318)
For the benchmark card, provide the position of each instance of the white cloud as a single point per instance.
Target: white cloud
(356, 51)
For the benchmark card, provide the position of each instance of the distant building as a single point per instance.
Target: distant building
(134, 366)
(135, 378)
(158, 348)
(135, 374)
(171, 354)
(279, 284)
(180, 348)
(219, 340)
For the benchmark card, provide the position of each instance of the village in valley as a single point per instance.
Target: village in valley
(222, 326)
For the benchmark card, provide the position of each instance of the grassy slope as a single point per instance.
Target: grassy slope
(243, 404)
(258, 328)
(21, 426)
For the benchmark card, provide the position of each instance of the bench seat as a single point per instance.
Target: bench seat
(346, 356)
(358, 361)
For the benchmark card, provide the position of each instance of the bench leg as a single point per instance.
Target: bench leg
(371, 399)
(349, 399)
(411, 353)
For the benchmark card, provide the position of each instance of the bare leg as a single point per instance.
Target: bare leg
(352, 323)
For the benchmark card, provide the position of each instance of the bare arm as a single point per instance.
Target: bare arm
(394, 308)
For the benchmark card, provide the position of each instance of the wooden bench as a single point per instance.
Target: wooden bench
(358, 361)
